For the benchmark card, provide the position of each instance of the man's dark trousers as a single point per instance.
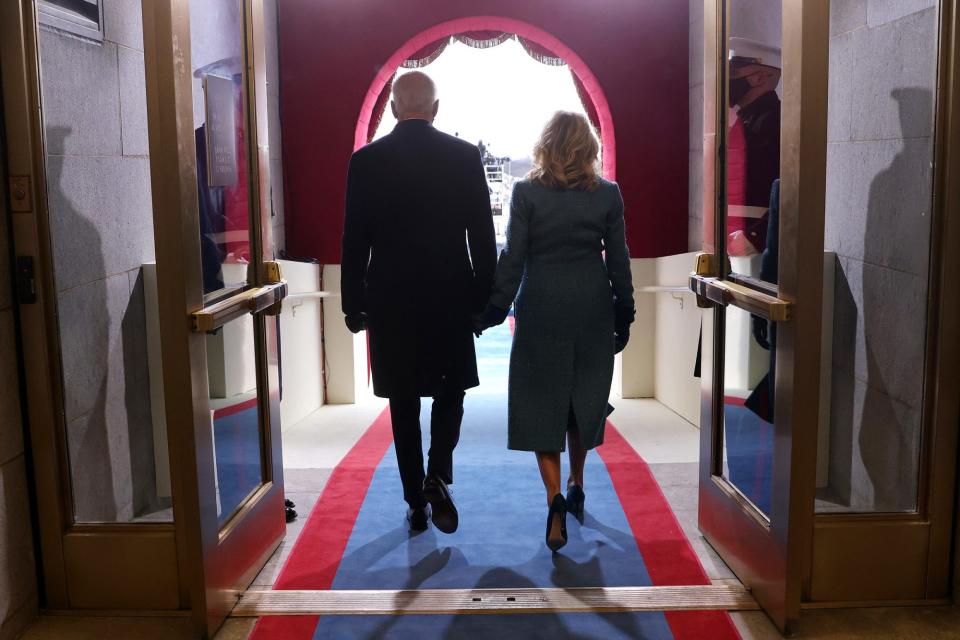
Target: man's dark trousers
(446, 416)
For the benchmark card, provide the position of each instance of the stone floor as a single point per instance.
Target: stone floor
(669, 444)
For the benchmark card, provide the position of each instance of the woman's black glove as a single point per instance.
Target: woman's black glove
(491, 317)
(760, 332)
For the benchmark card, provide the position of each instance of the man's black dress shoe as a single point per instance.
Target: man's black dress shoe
(418, 518)
(444, 516)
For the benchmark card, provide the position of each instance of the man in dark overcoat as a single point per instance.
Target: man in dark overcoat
(419, 256)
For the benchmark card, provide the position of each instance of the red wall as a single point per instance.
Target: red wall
(331, 51)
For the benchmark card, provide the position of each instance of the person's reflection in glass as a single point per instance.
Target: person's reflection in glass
(761, 398)
(753, 139)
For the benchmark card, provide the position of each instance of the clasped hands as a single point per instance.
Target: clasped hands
(489, 317)
(493, 316)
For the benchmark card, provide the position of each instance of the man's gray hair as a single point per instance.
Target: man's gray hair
(414, 94)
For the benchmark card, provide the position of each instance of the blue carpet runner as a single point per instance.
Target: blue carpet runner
(357, 536)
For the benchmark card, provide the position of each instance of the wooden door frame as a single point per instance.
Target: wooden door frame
(84, 566)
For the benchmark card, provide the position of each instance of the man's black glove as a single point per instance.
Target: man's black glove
(491, 317)
(623, 317)
(356, 322)
(620, 339)
(760, 332)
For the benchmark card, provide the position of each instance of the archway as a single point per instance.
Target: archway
(508, 25)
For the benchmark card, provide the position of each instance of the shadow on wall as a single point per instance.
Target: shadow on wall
(106, 394)
(879, 347)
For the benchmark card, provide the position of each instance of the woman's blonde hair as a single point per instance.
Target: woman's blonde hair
(565, 156)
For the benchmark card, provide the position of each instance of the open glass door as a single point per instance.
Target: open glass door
(760, 280)
(218, 291)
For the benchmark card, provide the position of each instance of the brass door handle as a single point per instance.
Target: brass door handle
(726, 293)
(263, 299)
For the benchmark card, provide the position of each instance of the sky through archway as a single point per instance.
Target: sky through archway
(499, 95)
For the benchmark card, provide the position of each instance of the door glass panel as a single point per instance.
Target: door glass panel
(750, 225)
(881, 103)
(753, 129)
(102, 245)
(216, 41)
(234, 414)
(748, 400)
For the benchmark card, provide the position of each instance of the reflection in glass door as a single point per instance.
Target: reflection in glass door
(220, 115)
(234, 415)
(752, 209)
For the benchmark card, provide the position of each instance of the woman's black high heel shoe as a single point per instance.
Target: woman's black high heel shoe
(575, 499)
(557, 523)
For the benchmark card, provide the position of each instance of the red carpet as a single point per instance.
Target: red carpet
(670, 559)
(317, 552)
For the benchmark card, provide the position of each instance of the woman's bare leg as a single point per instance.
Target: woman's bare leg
(549, 463)
(578, 455)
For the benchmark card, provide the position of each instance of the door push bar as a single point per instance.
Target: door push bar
(712, 290)
(266, 299)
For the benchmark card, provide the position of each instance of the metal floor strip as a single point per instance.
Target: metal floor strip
(256, 603)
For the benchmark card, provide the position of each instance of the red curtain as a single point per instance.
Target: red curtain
(483, 39)
(541, 53)
(379, 108)
(586, 101)
(544, 55)
(426, 55)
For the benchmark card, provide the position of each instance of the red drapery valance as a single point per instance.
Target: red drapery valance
(541, 53)
(481, 40)
(426, 55)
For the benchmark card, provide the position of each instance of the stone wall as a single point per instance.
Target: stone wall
(101, 226)
(883, 57)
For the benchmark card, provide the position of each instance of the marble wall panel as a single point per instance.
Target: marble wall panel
(893, 77)
(881, 12)
(133, 103)
(123, 23)
(101, 216)
(81, 96)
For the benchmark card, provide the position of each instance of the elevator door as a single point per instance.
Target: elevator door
(760, 282)
(219, 292)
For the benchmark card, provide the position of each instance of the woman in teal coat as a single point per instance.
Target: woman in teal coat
(566, 268)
